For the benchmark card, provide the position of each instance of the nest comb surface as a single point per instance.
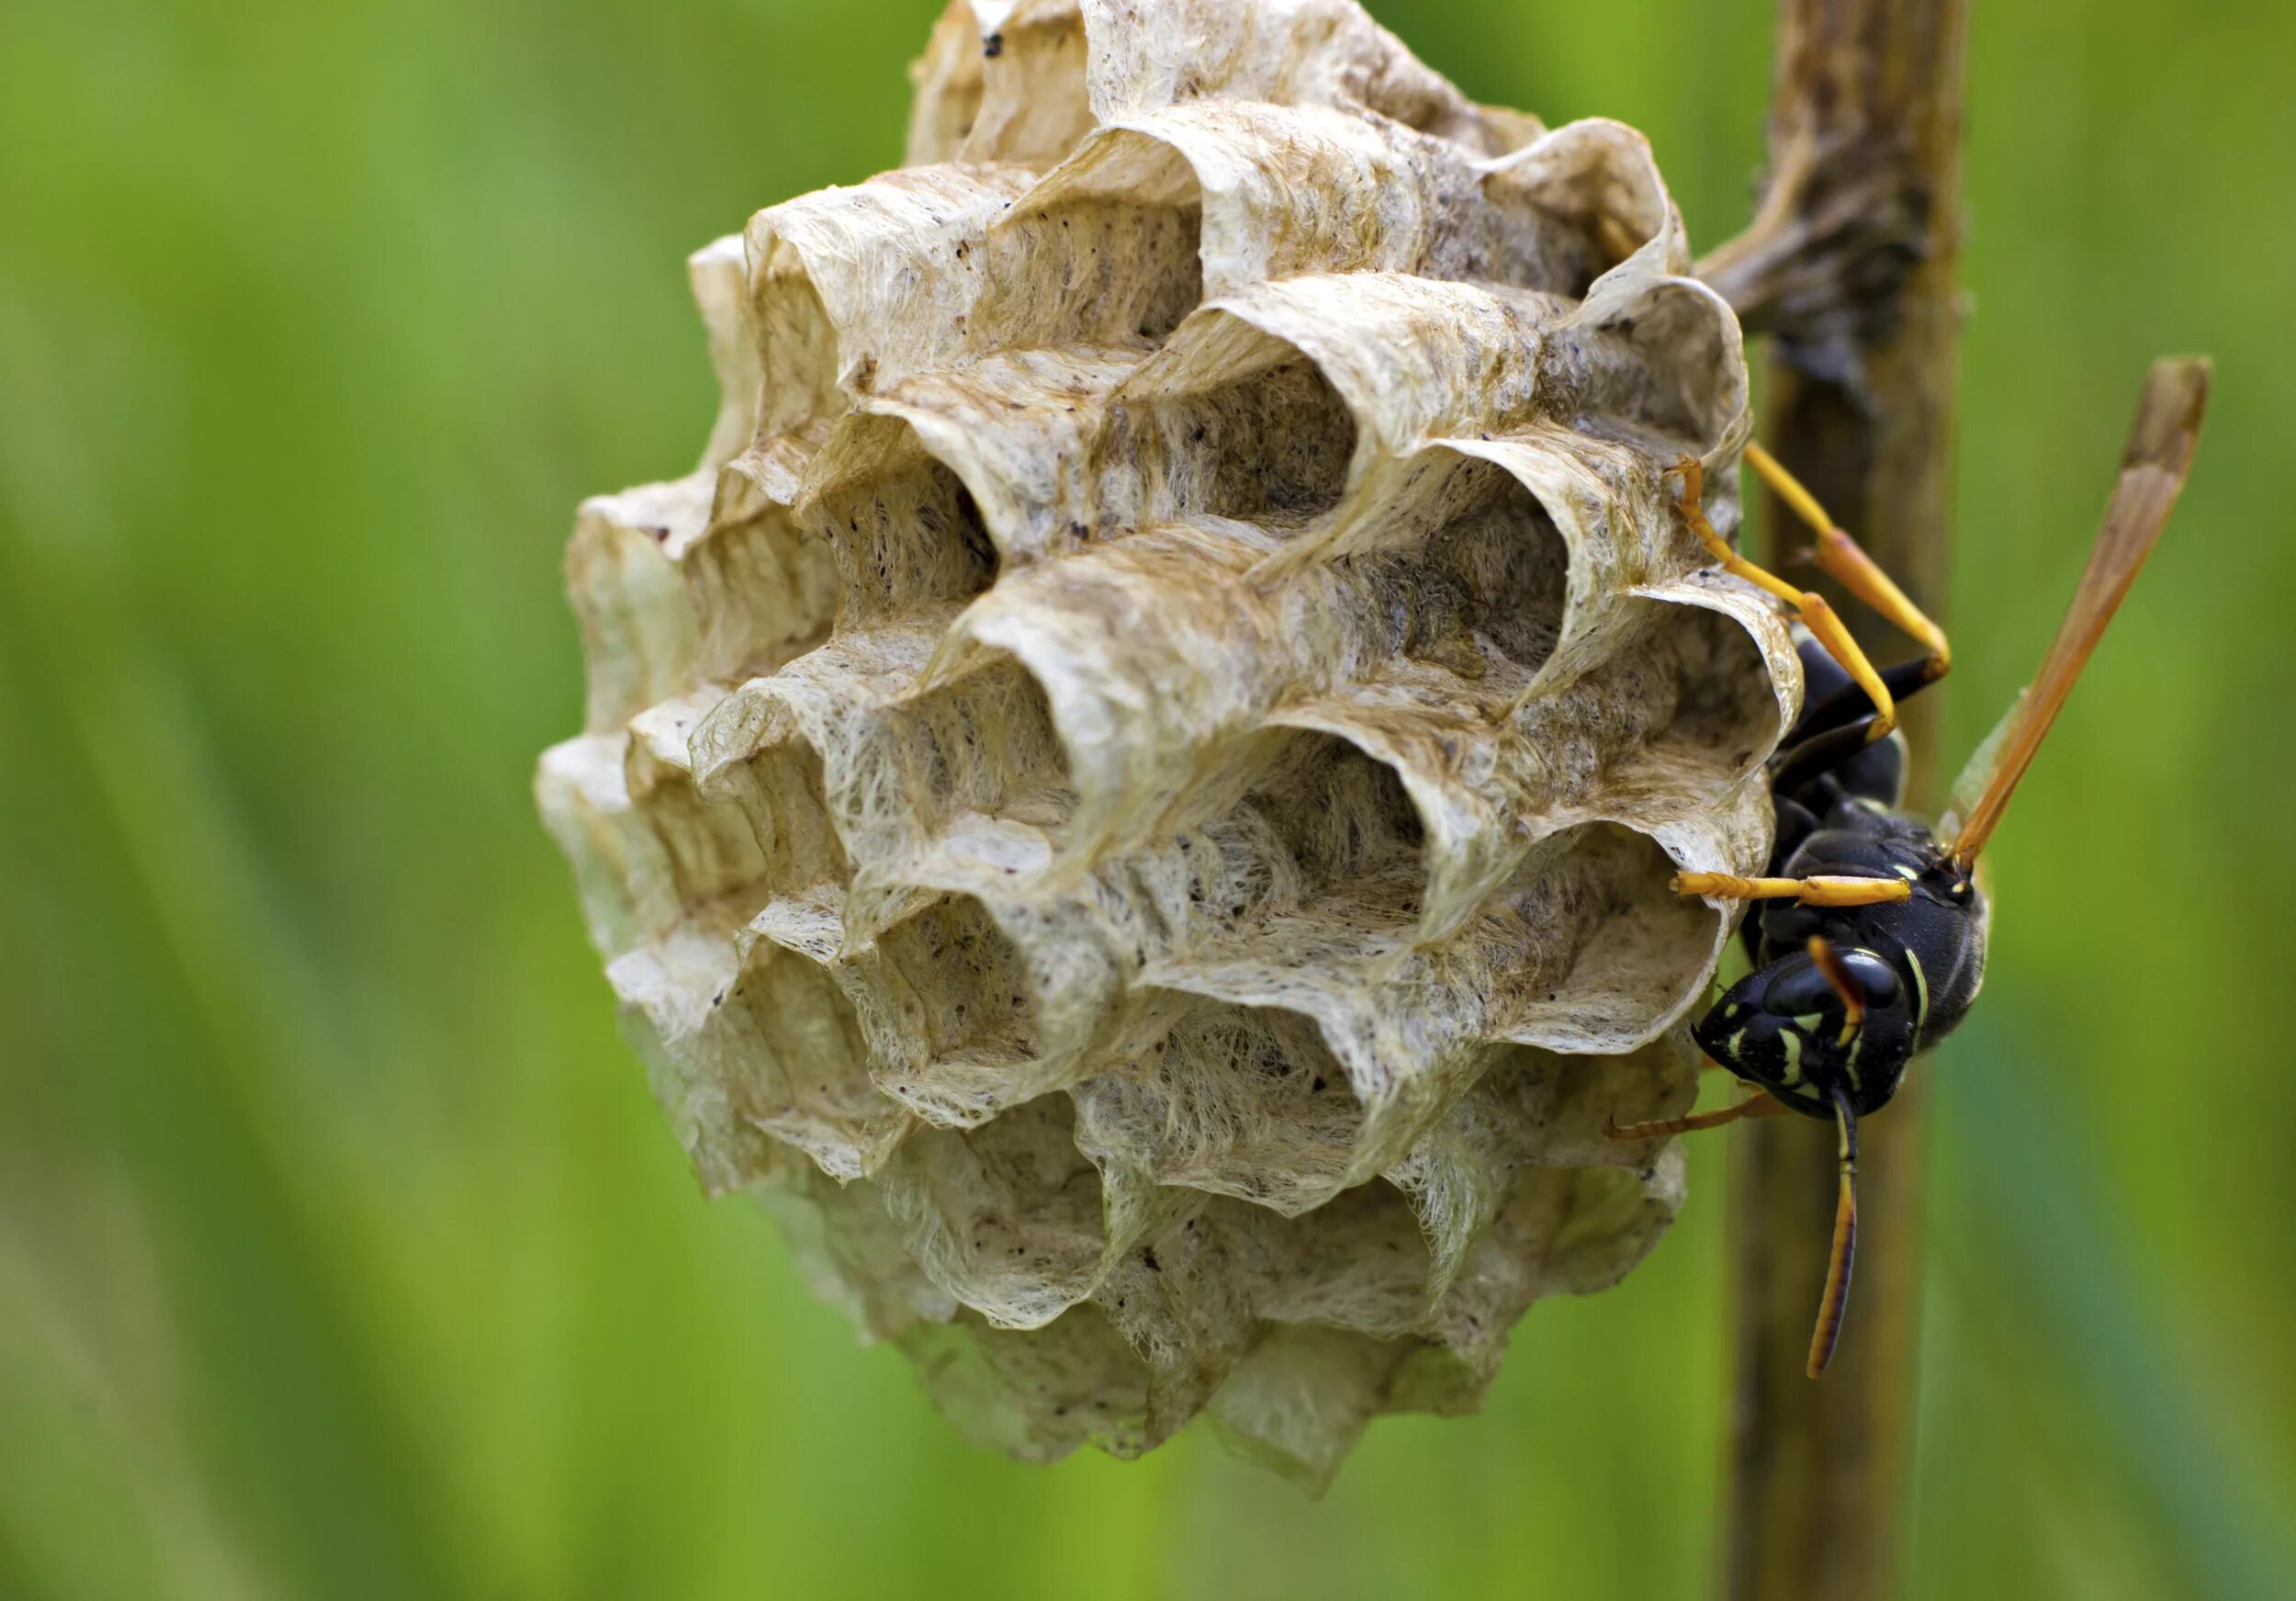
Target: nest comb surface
(1131, 795)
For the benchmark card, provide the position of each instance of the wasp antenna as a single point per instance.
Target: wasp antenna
(1845, 986)
(1837, 1298)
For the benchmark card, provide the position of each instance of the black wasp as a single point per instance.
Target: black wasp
(1868, 943)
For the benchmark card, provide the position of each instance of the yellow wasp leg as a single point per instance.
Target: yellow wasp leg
(1820, 618)
(1845, 561)
(1819, 891)
(1759, 1104)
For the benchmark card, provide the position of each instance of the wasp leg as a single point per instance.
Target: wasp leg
(1851, 704)
(1845, 561)
(1833, 754)
(1824, 890)
(1820, 617)
(1759, 1104)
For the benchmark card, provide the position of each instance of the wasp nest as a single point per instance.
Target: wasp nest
(1130, 797)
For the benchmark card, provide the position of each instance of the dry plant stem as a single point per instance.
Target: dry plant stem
(1851, 267)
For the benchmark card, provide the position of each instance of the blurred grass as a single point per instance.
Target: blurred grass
(342, 1253)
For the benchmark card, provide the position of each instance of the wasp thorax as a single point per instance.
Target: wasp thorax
(1132, 795)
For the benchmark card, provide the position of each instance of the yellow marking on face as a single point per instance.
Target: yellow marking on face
(1921, 992)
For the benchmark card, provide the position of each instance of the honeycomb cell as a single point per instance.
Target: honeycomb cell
(798, 1066)
(1006, 1217)
(1112, 257)
(1238, 1100)
(781, 793)
(953, 1012)
(1477, 584)
(1007, 84)
(707, 851)
(1578, 201)
(1593, 941)
(906, 530)
(1241, 426)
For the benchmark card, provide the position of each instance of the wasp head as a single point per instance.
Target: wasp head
(1788, 1027)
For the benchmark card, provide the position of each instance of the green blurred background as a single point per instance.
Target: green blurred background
(341, 1252)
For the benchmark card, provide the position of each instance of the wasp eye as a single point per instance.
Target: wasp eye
(1877, 977)
(1796, 988)
(1799, 986)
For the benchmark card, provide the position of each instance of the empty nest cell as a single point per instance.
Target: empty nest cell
(949, 86)
(797, 343)
(1021, 99)
(960, 988)
(1724, 717)
(1242, 426)
(797, 1063)
(982, 743)
(780, 789)
(1360, 1261)
(626, 895)
(1479, 590)
(708, 850)
(1333, 824)
(1038, 1393)
(1580, 201)
(1661, 371)
(1297, 1403)
(761, 590)
(1322, 831)
(1236, 1100)
(1682, 706)
(1604, 949)
(964, 1021)
(906, 530)
(1006, 1217)
(1107, 252)
(638, 643)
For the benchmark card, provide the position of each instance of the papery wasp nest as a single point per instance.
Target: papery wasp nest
(1130, 797)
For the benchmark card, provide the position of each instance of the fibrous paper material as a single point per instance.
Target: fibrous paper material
(1131, 795)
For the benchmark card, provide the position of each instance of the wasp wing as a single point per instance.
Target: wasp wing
(2153, 468)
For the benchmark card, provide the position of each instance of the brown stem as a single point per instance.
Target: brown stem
(1849, 267)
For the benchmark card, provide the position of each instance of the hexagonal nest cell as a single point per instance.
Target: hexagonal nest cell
(1131, 795)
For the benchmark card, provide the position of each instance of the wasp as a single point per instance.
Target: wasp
(1868, 932)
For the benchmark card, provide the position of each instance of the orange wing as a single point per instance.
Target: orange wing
(2153, 468)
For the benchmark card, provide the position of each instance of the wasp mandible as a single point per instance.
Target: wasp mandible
(1869, 941)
